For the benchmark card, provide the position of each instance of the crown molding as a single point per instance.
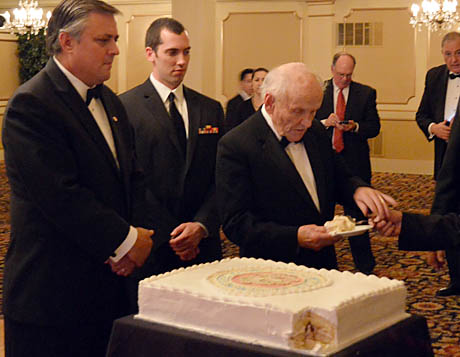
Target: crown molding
(10, 4)
(6, 4)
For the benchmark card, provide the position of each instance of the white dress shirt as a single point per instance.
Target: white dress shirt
(179, 100)
(299, 157)
(450, 105)
(452, 95)
(345, 92)
(100, 116)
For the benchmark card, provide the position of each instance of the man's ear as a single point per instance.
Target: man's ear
(66, 41)
(150, 54)
(269, 102)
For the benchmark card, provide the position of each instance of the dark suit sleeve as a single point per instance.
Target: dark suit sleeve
(369, 124)
(429, 233)
(426, 113)
(45, 172)
(446, 197)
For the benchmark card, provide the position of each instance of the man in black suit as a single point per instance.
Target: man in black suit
(244, 93)
(176, 142)
(74, 183)
(350, 116)
(278, 178)
(436, 111)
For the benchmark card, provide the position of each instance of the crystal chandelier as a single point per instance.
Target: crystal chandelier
(434, 15)
(28, 18)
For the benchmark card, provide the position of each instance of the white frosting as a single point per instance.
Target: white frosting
(340, 224)
(351, 308)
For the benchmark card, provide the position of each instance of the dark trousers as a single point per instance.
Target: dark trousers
(360, 245)
(26, 340)
(453, 262)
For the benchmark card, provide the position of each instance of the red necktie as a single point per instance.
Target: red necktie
(337, 139)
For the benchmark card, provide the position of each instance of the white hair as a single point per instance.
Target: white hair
(280, 79)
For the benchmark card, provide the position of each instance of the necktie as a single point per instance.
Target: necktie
(454, 75)
(178, 123)
(93, 93)
(337, 139)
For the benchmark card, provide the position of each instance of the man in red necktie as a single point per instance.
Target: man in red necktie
(349, 113)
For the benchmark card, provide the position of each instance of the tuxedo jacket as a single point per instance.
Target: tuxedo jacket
(263, 200)
(230, 111)
(431, 109)
(71, 206)
(447, 192)
(361, 108)
(178, 190)
(429, 233)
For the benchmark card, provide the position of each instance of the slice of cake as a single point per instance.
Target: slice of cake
(274, 304)
(340, 224)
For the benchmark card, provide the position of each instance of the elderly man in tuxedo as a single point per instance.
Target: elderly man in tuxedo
(349, 113)
(278, 178)
(434, 116)
(177, 130)
(75, 189)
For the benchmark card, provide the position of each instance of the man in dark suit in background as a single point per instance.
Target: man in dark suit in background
(435, 113)
(350, 116)
(74, 182)
(244, 93)
(177, 130)
(278, 178)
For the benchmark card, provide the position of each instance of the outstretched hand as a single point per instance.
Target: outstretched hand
(389, 227)
(373, 202)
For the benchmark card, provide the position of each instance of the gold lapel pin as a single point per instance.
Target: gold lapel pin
(115, 119)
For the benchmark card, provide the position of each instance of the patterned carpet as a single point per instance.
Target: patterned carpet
(414, 193)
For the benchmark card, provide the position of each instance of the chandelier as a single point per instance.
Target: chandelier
(28, 18)
(434, 15)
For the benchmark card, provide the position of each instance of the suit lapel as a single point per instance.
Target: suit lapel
(443, 92)
(69, 95)
(317, 166)
(329, 97)
(113, 121)
(156, 106)
(194, 115)
(275, 153)
(353, 96)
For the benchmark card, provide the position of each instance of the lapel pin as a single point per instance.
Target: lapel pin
(115, 119)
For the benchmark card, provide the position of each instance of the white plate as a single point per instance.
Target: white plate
(355, 232)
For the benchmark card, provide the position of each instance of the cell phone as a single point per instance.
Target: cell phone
(344, 122)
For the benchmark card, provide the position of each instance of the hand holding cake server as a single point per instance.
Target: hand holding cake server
(278, 177)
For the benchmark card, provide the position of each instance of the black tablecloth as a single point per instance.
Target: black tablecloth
(137, 338)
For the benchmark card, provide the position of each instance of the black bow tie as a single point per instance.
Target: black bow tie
(95, 93)
(453, 75)
(285, 142)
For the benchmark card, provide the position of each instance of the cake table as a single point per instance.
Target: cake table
(139, 338)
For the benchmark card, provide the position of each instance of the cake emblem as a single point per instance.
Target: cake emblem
(267, 282)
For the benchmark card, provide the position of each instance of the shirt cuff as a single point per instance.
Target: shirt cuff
(323, 121)
(357, 127)
(429, 131)
(206, 232)
(126, 246)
